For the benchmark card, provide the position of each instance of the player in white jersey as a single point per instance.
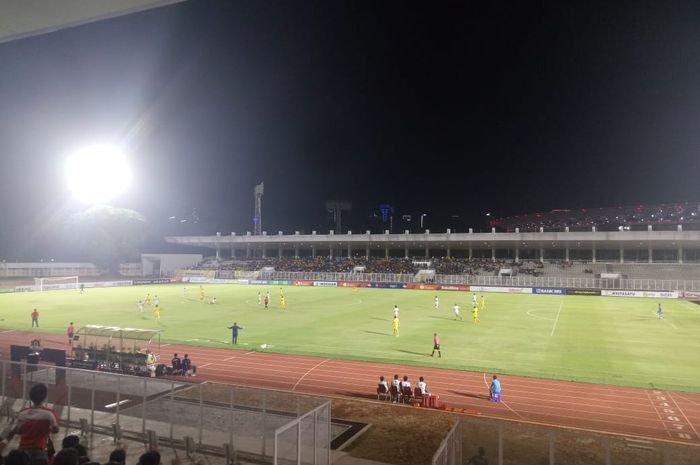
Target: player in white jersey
(458, 316)
(155, 301)
(396, 311)
(259, 298)
(474, 299)
(437, 303)
(140, 305)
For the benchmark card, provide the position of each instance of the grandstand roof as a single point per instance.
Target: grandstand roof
(26, 18)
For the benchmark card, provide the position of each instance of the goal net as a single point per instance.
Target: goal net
(50, 284)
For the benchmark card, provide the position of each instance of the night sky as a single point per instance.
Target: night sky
(439, 108)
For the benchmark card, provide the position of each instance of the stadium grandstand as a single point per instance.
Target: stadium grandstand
(605, 219)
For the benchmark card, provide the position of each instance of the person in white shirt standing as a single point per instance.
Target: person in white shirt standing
(457, 314)
(396, 311)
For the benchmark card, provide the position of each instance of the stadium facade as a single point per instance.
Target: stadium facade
(650, 246)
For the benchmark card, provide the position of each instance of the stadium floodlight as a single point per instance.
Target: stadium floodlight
(98, 173)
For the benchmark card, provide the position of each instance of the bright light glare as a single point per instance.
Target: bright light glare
(98, 174)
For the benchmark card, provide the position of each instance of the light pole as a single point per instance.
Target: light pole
(423, 215)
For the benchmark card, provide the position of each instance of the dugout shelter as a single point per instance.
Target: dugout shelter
(111, 348)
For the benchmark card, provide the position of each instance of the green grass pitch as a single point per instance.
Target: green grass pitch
(609, 340)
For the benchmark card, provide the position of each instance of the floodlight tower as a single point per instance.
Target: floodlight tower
(336, 207)
(257, 220)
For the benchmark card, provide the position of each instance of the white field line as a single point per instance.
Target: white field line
(683, 413)
(538, 316)
(502, 401)
(554, 327)
(309, 371)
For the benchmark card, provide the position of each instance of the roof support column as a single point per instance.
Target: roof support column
(279, 251)
(622, 254)
(449, 252)
(493, 252)
(349, 250)
(264, 251)
(427, 252)
(680, 254)
(330, 251)
(405, 252)
(386, 252)
(313, 251)
(650, 258)
(566, 253)
(247, 251)
(470, 252)
(218, 253)
(367, 252)
(593, 253)
(517, 254)
(541, 254)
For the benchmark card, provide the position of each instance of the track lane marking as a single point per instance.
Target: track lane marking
(309, 371)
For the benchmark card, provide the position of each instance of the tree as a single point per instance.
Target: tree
(108, 235)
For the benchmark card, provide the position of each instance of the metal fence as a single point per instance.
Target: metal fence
(514, 281)
(238, 422)
(514, 443)
(450, 450)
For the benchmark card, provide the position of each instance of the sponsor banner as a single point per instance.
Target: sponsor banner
(107, 284)
(652, 294)
(387, 285)
(570, 291)
(427, 287)
(243, 281)
(194, 279)
(509, 290)
(548, 290)
(259, 281)
(6, 290)
(176, 279)
(302, 283)
(454, 287)
(138, 282)
(24, 289)
(687, 294)
(326, 283)
(353, 284)
(281, 283)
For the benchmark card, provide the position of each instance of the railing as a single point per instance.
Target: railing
(296, 442)
(513, 281)
(223, 420)
(503, 442)
(450, 450)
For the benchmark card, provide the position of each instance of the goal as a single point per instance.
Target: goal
(50, 284)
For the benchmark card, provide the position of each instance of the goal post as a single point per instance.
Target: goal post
(50, 284)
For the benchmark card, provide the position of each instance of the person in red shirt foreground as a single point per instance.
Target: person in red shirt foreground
(34, 424)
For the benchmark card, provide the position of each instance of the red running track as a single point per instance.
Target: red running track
(654, 414)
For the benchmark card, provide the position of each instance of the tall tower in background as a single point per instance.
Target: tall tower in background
(257, 219)
(336, 207)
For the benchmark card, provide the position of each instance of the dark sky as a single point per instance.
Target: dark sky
(440, 108)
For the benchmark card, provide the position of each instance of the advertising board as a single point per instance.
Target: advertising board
(509, 290)
(548, 290)
(571, 291)
(649, 294)
(326, 283)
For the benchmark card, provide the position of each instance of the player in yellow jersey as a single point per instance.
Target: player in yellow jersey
(395, 326)
(201, 293)
(156, 312)
(147, 300)
(283, 302)
(475, 313)
(483, 303)
(355, 290)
